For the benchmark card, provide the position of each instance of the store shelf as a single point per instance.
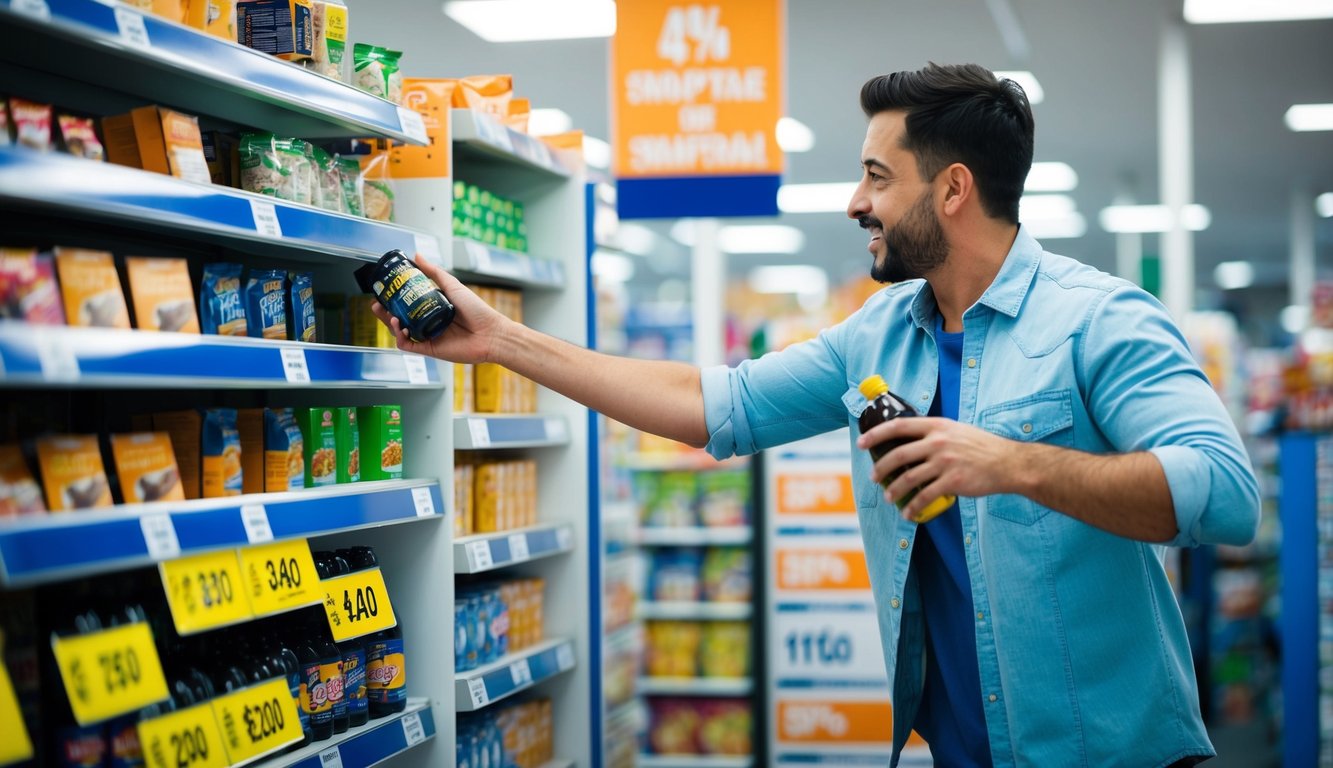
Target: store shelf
(558, 764)
(33, 355)
(695, 686)
(505, 266)
(695, 536)
(208, 213)
(687, 611)
(497, 431)
(491, 551)
(693, 461)
(368, 744)
(514, 673)
(114, 46)
(52, 548)
(481, 137)
(694, 761)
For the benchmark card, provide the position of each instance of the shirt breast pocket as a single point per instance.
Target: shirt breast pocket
(1046, 417)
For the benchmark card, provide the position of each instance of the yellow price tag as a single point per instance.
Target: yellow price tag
(16, 746)
(205, 592)
(185, 739)
(111, 672)
(358, 604)
(279, 577)
(257, 720)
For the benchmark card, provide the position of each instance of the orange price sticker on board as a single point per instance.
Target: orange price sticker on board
(838, 722)
(816, 494)
(822, 569)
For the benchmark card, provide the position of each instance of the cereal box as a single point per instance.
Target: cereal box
(146, 467)
(381, 428)
(284, 451)
(347, 442)
(159, 140)
(19, 492)
(72, 472)
(185, 429)
(321, 454)
(28, 287)
(163, 294)
(91, 288)
(222, 474)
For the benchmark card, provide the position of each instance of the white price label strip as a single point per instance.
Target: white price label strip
(481, 554)
(416, 369)
(477, 691)
(479, 254)
(518, 547)
(37, 9)
(255, 519)
(480, 430)
(131, 27)
(564, 538)
(160, 537)
(294, 366)
(423, 501)
(564, 657)
(331, 758)
(521, 672)
(266, 218)
(428, 248)
(412, 124)
(413, 731)
(556, 431)
(57, 359)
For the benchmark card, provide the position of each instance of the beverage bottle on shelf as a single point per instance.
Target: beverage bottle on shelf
(285, 660)
(354, 658)
(886, 406)
(327, 568)
(74, 745)
(315, 702)
(386, 659)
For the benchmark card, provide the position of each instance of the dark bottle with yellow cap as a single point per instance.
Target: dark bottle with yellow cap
(886, 406)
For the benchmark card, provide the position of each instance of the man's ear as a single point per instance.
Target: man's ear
(959, 188)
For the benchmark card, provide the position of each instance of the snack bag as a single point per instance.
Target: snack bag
(19, 492)
(32, 123)
(517, 116)
(490, 94)
(220, 301)
(375, 71)
(725, 649)
(91, 288)
(301, 322)
(262, 171)
(329, 42)
(266, 304)
(725, 727)
(163, 295)
(78, 137)
(325, 186)
(284, 451)
(146, 466)
(352, 182)
(223, 471)
(72, 472)
(727, 575)
(28, 287)
(378, 187)
(297, 179)
(673, 726)
(185, 429)
(319, 431)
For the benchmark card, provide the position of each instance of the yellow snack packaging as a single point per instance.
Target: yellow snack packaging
(163, 294)
(146, 467)
(19, 492)
(91, 289)
(72, 472)
(485, 93)
(222, 466)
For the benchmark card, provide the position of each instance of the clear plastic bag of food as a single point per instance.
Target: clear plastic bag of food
(262, 169)
(296, 184)
(352, 183)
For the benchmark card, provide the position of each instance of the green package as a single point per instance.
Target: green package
(321, 455)
(347, 443)
(381, 428)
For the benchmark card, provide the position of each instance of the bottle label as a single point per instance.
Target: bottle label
(332, 677)
(354, 682)
(297, 689)
(315, 694)
(126, 751)
(386, 676)
(82, 747)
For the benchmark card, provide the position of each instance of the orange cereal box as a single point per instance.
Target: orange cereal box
(72, 472)
(163, 294)
(19, 492)
(146, 466)
(91, 288)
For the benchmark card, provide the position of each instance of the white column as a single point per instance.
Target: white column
(1301, 275)
(1128, 249)
(708, 287)
(1175, 161)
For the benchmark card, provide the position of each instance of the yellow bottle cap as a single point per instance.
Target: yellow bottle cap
(873, 386)
(935, 508)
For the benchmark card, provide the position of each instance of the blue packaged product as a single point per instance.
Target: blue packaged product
(499, 629)
(465, 656)
(220, 300)
(266, 304)
(222, 467)
(481, 629)
(284, 451)
(301, 302)
(495, 742)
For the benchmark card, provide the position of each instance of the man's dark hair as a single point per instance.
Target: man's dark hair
(962, 114)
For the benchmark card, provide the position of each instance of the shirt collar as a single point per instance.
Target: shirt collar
(1006, 292)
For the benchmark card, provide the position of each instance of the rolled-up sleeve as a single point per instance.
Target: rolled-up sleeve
(1146, 393)
(781, 397)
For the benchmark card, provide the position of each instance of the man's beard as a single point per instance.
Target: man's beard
(914, 246)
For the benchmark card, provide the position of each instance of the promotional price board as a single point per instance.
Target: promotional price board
(188, 738)
(257, 720)
(16, 745)
(111, 672)
(205, 591)
(279, 577)
(697, 89)
(358, 604)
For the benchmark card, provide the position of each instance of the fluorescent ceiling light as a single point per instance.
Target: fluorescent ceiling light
(1228, 11)
(1233, 275)
(826, 197)
(612, 267)
(1051, 177)
(1152, 218)
(511, 21)
(760, 238)
(1069, 226)
(1295, 318)
(1031, 207)
(596, 152)
(1027, 80)
(635, 238)
(546, 121)
(1310, 117)
(1323, 205)
(794, 135)
(793, 278)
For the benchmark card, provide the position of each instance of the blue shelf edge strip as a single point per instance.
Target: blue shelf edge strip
(376, 745)
(545, 665)
(31, 553)
(540, 543)
(517, 430)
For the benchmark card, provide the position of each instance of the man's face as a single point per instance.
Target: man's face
(896, 206)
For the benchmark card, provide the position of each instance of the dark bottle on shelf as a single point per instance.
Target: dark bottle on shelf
(325, 647)
(386, 659)
(886, 406)
(354, 660)
(74, 745)
(315, 702)
(286, 660)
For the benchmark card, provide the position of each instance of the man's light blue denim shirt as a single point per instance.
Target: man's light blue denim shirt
(1082, 650)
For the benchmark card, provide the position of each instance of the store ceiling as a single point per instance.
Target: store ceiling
(1096, 61)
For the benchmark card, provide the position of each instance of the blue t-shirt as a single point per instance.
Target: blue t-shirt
(950, 718)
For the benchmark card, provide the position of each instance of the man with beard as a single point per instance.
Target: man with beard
(1033, 623)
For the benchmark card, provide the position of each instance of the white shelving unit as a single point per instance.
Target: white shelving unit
(695, 686)
(694, 761)
(701, 611)
(86, 61)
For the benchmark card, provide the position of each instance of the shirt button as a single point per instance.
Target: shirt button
(925, 396)
(981, 616)
(993, 698)
(971, 362)
(902, 543)
(968, 540)
(895, 602)
(1027, 429)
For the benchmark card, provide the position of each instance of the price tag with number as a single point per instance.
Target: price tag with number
(294, 366)
(477, 692)
(480, 431)
(111, 672)
(424, 502)
(265, 216)
(17, 746)
(518, 547)
(57, 360)
(205, 592)
(132, 29)
(257, 720)
(564, 538)
(428, 248)
(159, 535)
(521, 673)
(564, 657)
(185, 739)
(412, 124)
(358, 604)
(279, 577)
(416, 369)
(331, 758)
(481, 555)
(413, 731)
(255, 519)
